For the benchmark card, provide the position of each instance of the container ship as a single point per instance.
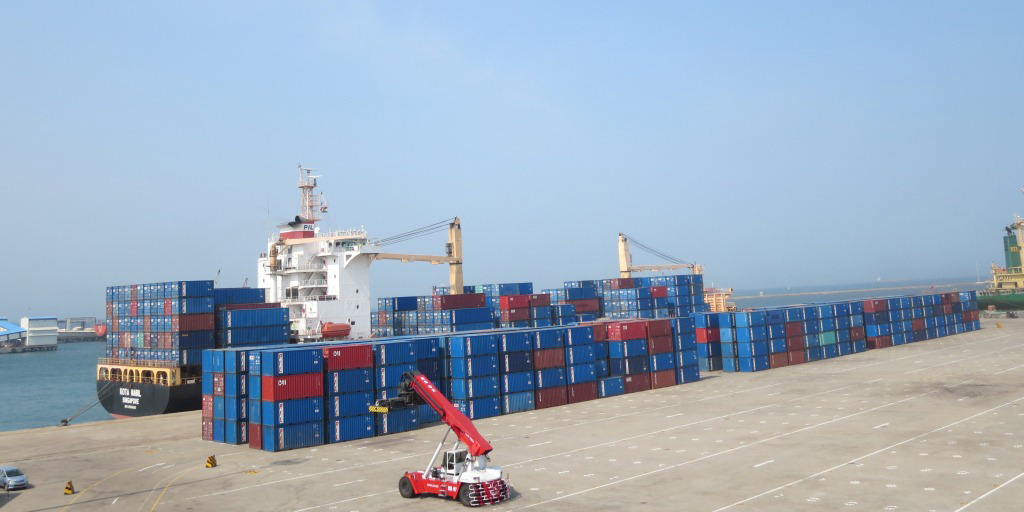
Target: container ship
(1006, 289)
(315, 285)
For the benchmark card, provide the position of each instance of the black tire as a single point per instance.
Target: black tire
(464, 495)
(405, 488)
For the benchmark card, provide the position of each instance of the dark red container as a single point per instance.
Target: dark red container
(539, 300)
(947, 309)
(514, 301)
(257, 305)
(515, 315)
(918, 324)
(660, 345)
(550, 397)
(663, 379)
(708, 335)
(207, 429)
(255, 435)
(658, 328)
(600, 331)
(794, 328)
(879, 341)
(133, 308)
(207, 407)
(856, 333)
(621, 283)
(586, 305)
(627, 330)
(218, 384)
(637, 382)
(346, 357)
(110, 309)
(548, 358)
(290, 387)
(463, 301)
(147, 323)
(874, 306)
(797, 357)
(195, 322)
(134, 289)
(659, 292)
(582, 392)
(794, 343)
(778, 360)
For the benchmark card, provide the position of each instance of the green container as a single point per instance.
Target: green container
(827, 338)
(1012, 251)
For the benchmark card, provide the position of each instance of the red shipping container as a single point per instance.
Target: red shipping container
(550, 397)
(167, 306)
(918, 323)
(797, 357)
(463, 301)
(582, 392)
(659, 292)
(255, 435)
(207, 429)
(621, 283)
(290, 387)
(778, 360)
(856, 333)
(879, 341)
(794, 328)
(514, 301)
(255, 305)
(947, 309)
(147, 324)
(539, 300)
(548, 358)
(110, 309)
(659, 328)
(195, 322)
(634, 330)
(794, 343)
(600, 331)
(207, 407)
(660, 345)
(874, 306)
(708, 335)
(586, 305)
(218, 384)
(637, 382)
(133, 308)
(663, 379)
(346, 357)
(515, 315)
(134, 290)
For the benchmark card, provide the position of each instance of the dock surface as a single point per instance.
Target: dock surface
(934, 425)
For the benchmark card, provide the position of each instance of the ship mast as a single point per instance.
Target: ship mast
(312, 204)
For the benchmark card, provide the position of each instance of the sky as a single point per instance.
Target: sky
(777, 143)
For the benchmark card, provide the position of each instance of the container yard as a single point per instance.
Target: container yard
(931, 425)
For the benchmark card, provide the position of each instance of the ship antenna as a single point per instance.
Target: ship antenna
(311, 210)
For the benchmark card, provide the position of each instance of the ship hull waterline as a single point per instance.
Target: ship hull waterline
(135, 399)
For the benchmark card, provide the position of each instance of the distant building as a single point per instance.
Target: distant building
(11, 334)
(42, 330)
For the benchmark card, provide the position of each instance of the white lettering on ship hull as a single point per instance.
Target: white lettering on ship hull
(130, 397)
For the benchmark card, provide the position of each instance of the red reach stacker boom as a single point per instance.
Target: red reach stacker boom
(463, 474)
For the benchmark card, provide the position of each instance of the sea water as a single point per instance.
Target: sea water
(38, 389)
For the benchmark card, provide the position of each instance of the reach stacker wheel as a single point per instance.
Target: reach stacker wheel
(464, 495)
(405, 488)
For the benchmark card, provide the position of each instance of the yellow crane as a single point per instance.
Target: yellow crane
(453, 249)
(716, 298)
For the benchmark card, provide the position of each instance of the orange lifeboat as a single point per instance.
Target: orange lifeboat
(101, 330)
(335, 331)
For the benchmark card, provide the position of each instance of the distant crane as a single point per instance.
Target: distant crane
(626, 266)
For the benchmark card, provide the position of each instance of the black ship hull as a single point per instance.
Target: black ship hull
(133, 399)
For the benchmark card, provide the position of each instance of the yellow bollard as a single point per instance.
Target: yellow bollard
(69, 488)
(999, 325)
(211, 461)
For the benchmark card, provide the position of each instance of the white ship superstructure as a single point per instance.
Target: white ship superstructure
(324, 277)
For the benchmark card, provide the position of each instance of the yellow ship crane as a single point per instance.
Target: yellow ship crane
(716, 298)
(453, 249)
(626, 266)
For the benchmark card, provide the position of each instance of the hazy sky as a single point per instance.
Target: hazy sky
(778, 143)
